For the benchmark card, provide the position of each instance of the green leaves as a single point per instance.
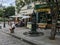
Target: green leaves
(9, 11)
(1, 12)
(19, 5)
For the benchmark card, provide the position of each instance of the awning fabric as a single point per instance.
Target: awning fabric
(19, 15)
(24, 17)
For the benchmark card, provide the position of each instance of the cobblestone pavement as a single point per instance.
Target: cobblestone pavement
(6, 39)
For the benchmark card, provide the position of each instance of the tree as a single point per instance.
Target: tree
(54, 21)
(9, 11)
(19, 5)
(1, 12)
(27, 1)
(53, 4)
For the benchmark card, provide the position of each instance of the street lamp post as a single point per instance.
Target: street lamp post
(4, 19)
(3, 14)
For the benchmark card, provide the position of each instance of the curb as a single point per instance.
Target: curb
(22, 39)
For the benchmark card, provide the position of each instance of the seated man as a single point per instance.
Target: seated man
(12, 27)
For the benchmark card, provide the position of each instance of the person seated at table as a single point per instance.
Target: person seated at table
(21, 23)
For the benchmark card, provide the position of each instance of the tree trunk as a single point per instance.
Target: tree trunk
(54, 22)
(53, 31)
(54, 13)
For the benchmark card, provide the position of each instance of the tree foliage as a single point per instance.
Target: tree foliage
(1, 12)
(19, 5)
(9, 11)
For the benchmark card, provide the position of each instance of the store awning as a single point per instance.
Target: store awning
(17, 16)
(43, 10)
(24, 17)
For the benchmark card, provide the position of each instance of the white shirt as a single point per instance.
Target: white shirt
(13, 25)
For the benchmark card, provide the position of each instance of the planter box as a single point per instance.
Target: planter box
(29, 25)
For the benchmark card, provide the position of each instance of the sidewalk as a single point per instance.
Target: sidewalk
(38, 40)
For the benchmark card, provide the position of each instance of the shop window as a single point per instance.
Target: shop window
(41, 17)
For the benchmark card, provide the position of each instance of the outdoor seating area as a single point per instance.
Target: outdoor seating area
(20, 24)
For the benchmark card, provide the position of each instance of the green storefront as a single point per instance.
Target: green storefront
(44, 15)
